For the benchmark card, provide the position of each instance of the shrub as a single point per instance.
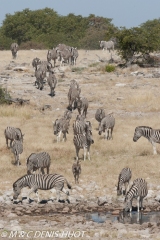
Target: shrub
(32, 45)
(4, 96)
(109, 68)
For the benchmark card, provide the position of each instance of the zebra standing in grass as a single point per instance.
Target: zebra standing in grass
(81, 103)
(52, 82)
(36, 61)
(67, 114)
(83, 141)
(38, 161)
(61, 126)
(79, 126)
(138, 190)
(40, 181)
(12, 133)
(124, 179)
(17, 149)
(74, 84)
(153, 135)
(107, 125)
(99, 115)
(76, 170)
(14, 49)
(73, 93)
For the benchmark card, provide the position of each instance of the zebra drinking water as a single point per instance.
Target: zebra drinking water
(138, 190)
(124, 179)
(41, 181)
(153, 135)
(12, 133)
(39, 161)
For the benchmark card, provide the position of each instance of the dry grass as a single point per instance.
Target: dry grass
(107, 157)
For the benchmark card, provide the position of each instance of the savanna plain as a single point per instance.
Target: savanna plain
(133, 99)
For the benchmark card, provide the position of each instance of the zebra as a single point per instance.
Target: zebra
(53, 54)
(72, 95)
(107, 45)
(74, 84)
(41, 181)
(124, 179)
(12, 133)
(81, 103)
(83, 141)
(67, 114)
(107, 125)
(52, 82)
(99, 115)
(17, 149)
(138, 190)
(14, 49)
(79, 125)
(40, 73)
(35, 62)
(153, 135)
(61, 126)
(74, 56)
(39, 161)
(76, 170)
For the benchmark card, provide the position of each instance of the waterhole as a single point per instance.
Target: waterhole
(125, 217)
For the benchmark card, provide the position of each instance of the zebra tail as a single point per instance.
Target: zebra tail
(68, 185)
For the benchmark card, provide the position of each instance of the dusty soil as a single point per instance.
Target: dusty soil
(132, 95)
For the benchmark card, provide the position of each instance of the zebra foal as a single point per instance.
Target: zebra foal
(124, 179)
(38, 161)
(76, 170)
(153, 135)
(138, 190)
(12, 133)
(43, 182)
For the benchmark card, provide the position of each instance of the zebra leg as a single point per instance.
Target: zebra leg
(77, 153)
(84, 153)
(138, 203)
(154, 148)
(11, 143)
(111, 134)
(47, 170)
(42, 170)
(88, 151)
(141, 203)
(7, 141)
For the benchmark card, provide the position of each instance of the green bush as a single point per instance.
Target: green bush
(109, 68)
(4, 96)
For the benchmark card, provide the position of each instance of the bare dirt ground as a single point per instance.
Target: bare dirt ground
(132, 94)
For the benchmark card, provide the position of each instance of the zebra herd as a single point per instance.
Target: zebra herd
(82, 139)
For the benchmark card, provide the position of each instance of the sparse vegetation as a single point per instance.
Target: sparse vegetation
(3, 96)
(110, 68)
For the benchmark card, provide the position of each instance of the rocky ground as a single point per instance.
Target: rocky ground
(24, 220)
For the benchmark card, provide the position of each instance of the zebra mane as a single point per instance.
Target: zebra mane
(144, 127)
(29, 157)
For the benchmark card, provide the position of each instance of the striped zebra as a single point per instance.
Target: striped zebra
(79, 126)
(12, 133)
(17, 149)
(73, 93)
(35, 62)
(76, 170)
(39, 161)
(153, 135)
(138, 190)
(124, 179)
(61, 126)
(67, 114)
(99, 115)
(74, 84)
(43, 182)
(81, 103)
(107, 125)
(83, 141)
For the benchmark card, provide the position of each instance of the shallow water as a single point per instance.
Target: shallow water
(124, 217)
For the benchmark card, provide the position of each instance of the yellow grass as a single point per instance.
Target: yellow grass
(107, 157)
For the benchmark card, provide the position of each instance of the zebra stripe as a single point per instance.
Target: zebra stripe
(61, 126)
(38, 161)
(12, 133)
(124, 179)
(138, 190)
(17, 149)
(83, 141)
(107, 125)
(153, 135)
(43, 182)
